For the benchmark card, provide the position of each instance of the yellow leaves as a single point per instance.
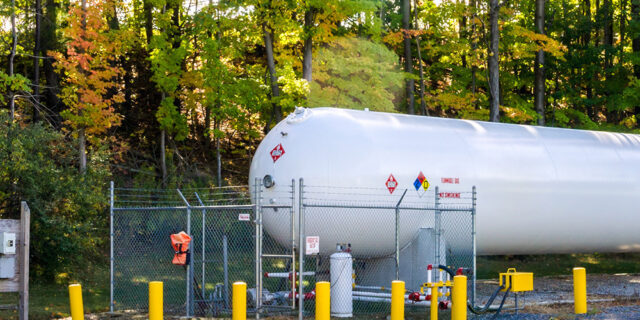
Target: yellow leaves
(532, 41)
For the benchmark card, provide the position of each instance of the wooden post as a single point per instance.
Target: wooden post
(25, 223)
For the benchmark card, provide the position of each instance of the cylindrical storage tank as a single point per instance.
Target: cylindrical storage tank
(340, 270)
(539, 189)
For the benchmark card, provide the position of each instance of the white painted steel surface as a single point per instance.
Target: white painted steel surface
(540, 189)
(340, 271)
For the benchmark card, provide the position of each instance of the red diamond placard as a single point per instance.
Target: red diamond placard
(391, 183)
(277, 152)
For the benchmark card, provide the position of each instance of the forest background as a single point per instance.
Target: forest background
(168, 93)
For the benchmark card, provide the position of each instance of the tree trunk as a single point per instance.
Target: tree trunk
(163, 157)
(635, 44)
(12, 55)
(494, 68)
(623, 25)
(308, 44)
(406, 13)
(539, 86)
(82, 149)
(271, 65)
(36, 64)
(474, 47)
(50, 42)
(462, 31)
(608, 35)
(423, 105)
(218, 158)
(148, 19)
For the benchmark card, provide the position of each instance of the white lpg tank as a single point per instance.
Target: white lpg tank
(539, 189)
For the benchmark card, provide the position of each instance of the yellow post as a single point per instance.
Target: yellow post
(397, 300)
(239, 301)
(155, 300)
(580, 290)
(459, 298)
(75, 300)
(323, 300)
(434, 301)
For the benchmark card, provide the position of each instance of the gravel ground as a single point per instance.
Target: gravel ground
(609, 296)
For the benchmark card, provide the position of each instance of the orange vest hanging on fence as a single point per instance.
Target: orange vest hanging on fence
(180, 242)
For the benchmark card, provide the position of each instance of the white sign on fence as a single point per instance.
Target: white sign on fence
(313, 245)
(244, 217)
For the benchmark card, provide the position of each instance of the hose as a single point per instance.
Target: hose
(447, 270)
(487, 306)
(502, 303)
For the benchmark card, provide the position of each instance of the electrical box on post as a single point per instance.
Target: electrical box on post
(7, 243)
(519, 281)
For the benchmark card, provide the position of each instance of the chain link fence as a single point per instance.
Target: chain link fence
(255, 234)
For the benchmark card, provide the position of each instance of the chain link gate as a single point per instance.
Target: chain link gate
(229, 244)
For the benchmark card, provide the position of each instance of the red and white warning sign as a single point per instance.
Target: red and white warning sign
(391, 183)
(313, 245)
(244, 217)
(277, 152)
(450, 195)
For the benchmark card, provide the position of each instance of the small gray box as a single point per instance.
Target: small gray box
(7, 267)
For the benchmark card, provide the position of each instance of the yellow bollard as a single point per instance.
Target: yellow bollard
(397, 300)
(75, 300)
(239, 301)
(434, 301)
(155, 300)
(580, 290)
(459, 298)
(323, 300)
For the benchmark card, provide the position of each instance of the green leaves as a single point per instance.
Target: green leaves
(171, 120)
(15, 83)
(355, 73)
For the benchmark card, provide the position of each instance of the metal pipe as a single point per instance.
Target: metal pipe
(293, 243)
(204, 216)
(397, 235)
(382, 295)
(225, 268)
(437, 227)
(388, 300)
(111, 258)
(286, 274)
(372, 288)
(301, 249)
(189, 301)
(473, 245)
(271, 255)
(258, 256)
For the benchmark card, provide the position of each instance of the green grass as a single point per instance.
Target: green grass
(49, 301)
(559, 264)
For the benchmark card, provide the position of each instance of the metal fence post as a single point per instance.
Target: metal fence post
(257, 210)
(203, 253)
(473, 244)
(189, 297)
(301, 250)
(438, 231)
(397, 235)
(111, 249)
(293, 243)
